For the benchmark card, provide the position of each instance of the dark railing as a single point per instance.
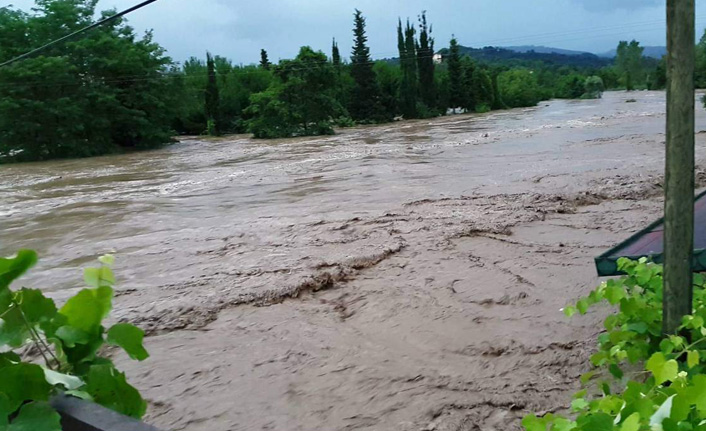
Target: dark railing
(79, 415)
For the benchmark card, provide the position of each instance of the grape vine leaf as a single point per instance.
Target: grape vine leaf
(130, 338)
(12, 268)
(109, 388)
(22, 382)
(88, 308)
(663, 370)
(36, 416)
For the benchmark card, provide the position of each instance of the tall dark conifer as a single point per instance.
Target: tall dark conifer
(365, 101)
(408, 64)
(335, 54)
(264, 60)
(455, 67)
(212, 105)
(425, 62)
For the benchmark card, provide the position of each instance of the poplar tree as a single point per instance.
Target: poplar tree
(212, 106)
(365, 102)
(456, 93)
(408, 64)
(425, 62)
(335, 54)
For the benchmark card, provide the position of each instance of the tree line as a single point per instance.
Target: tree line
(112, 91)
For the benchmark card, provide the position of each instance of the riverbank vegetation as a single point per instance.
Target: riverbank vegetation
(642, 379)
(113, 91)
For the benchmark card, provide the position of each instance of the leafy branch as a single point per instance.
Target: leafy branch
(69, 340)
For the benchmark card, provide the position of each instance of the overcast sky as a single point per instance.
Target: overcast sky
(239, 28)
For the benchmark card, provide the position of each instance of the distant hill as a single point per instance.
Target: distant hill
(544, 50)
(650, 51)
(516, 56)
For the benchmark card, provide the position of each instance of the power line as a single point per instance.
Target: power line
(76, 33)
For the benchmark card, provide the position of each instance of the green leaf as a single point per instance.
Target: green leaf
(561, 424)
(109, 388)
(578, 404)
(98, 277)
(596, 422)
(664, 370)
(697, 393)
(69, 382)
(13, 329)
(107, 259)
(72, 336)
(13, 268)
(533, 423)
(616, 371)
(680, 408)
(632, 423)
(36, 416)
(24, 382)
(36, 307)
(128, 337)
(582, 306)
(692, 359)
(9, 358)
(88, 308)
(614, 294)
(569, 311)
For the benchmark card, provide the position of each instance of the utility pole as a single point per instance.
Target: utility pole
(679, 170)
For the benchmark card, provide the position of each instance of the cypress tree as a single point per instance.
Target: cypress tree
(468, 91)
(455, 75)
(365, 102)
(425, 62)
(408, 64)
(335, 54)
(264, 60)
(212, 106)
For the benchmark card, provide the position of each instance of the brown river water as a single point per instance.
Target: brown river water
(399, 277)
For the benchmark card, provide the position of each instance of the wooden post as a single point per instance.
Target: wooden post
(679, 172)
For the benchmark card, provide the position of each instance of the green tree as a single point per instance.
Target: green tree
(571, 86)
(408, 64)
(455, 68)
(264, 60)
(518, 88)
(365, 99)
(335, 54)
(389, 78)
(467, 89)
(482, 85)
(629, 63)
(73, 100)
(700, 65)
(425, 63)
(657, 78)
(212, 98)
(300, 101)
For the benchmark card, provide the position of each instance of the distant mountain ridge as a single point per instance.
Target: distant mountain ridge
(528, 54)
(545, 50)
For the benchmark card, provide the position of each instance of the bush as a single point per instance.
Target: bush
(593, 88)
(642, 380)
(68, 339)
(518, 88)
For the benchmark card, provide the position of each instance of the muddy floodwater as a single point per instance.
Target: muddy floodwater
(399, 277)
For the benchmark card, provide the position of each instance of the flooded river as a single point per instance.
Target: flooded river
(428, 261)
